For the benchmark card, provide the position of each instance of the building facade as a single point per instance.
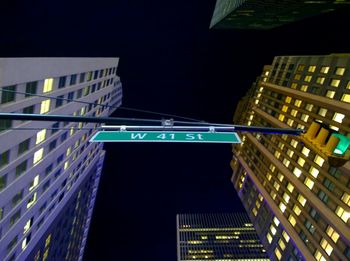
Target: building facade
(267, 14)
(49, 172)
(217, 236)
(296, 189)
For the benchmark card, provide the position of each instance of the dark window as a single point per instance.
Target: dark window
(89, 76)
(334, 172)
(95, 75)
(59, 101)
(323, 196)
(43, 206)
(21, 168)
(52, 145)
(8, 94)
(60, 159)
(5, 124)
(101, 73)
(291, 67)
(64, 136)
(328, 184)
(309, 226)
(99, 86)
(93, 88)
(3, 183)
(13, 242)
(23, 146)
(73, 79)
(70, 97)
(31, 88)
(29, 110)
(79, 93)
(347, 252)
(82, 77)
(17, 198)
(58, 172)
(48, 170)
(86, 91)
(55, 127)
(4, 158)
(62, 82)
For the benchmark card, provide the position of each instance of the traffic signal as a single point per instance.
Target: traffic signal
(327, 143)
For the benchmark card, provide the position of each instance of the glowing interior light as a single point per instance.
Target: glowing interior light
(342, 145)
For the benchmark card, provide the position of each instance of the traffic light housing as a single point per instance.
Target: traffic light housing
(329, 144)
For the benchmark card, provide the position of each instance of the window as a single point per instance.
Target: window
(325, 69)
(332, 234)
(12, 243)
(338, 117)
(48, 83)
(301, 67)
(59, 101)
(55, 127)
(21, 168)
(313, 171)
(292, 220)
(52, 145)
(86, 90)
(3, 183)
(320, 80)
(328, 184)
(297, 172)
(326, 246)
(62, 82)
(64, 136)
(296, 210)
(319, 160)
(301, 200)
(309, 226)
(309, 183)
(73, 79)
(23, 146)
(314, 214)
(38, 156)
(304, 117)
(290, 187)
(322, 112)
(48, 169)
(46, 185)
(301, 161)
(82, 77)
(335, 82)
(278, 254)
(70, 97)
(32, 200)
(34, 183)
(308, 78)
(28, 110)
(4, 158)
(344, 215)
(340, 71)
(304, 87)
(297, 103)
(17, 198)
(45, 106)
(89, 76)
(95, 74)
(309, 107)
(60, 159)
(8, 94)
(31, 88)
(40, 136)
(323, 196)
(312, 68)
(330, 94)
(345, 98)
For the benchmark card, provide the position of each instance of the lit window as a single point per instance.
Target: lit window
(301, 161)
(313, 171)
(286, 197)
(304, 87)
(277, 154)
(269, 237)
(40, 136)
(322, 112)
(320, 80)
(34, 183)
(32, 200)
(290, 122)
(38, 156)
(332, 234)
(308, 78)
(294, 143)
(276, 221)
(48, 85)
(272, 167)
(297, 76)
(309, 183)
(276, 185)
(281, 244)
(296, 210)
(309, 107)
(326, 246)
(281, 117)
(346, 198)
(324, 69)
(338, 117)
(348, 85)
(66, 165)
(290, 153)
(45, 106)
(69, 151)
(290, 187)
(319, 256)
(345, 98)
(297, 172)
(28, 225)
(297, 103)
(284, 108)
(294, 113)
(288, 99)
(304, 117)
(282, 207)
(292, 220)
(294, 85)
(330, 94)
(344, 215)
(273, 230)
(281, 145)
(302, 200)
(280, 177)
(305, 151)
(278, 254)
(301, 67)
(285, 235)
(312, 68)
(335, 82)
(319, 160)
(340, 71)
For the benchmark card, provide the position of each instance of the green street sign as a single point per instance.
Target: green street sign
(168, 136)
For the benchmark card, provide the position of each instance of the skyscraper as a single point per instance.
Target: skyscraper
(217, 236)
(267, 14)
(296, 189)
(49, 172)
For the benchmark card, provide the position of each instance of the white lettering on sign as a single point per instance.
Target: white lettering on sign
(138, 136)
(190, 136)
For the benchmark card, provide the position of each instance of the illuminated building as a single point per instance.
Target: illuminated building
(267, 14)
(216, 236)
(296, 189)
(49, 173)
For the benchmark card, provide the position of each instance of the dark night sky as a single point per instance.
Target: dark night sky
(170, 62)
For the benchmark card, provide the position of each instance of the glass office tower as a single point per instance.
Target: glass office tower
(296, 189)
(217, 236)
(267, 14)
(49, 172)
